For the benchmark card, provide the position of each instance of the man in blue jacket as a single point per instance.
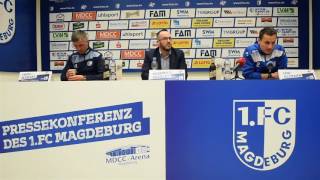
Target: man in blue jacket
(165, 55)
(84, 65)
(265, 57)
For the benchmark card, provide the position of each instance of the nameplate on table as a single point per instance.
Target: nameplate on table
(172, 74)
(297, 74)
(35, 76)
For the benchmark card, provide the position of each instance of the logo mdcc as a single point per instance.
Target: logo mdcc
(264, 132)
(8, 18)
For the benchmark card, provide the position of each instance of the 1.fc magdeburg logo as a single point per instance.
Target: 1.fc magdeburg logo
(7, 20)
(264, 132)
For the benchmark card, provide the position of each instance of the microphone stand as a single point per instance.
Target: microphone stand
(236, 76)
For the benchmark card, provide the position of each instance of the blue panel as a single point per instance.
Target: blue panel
(20, 53)
(199, 129)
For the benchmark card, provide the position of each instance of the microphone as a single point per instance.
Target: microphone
(270, 66)
(239, 63)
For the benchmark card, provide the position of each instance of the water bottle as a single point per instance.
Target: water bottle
(154, 63)
(212, 70)
(112, 66)
(227, 70)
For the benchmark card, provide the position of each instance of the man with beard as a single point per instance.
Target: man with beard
(163, 57)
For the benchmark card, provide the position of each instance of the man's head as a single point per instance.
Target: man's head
(164, 40)
(267, 39)
(80, 41)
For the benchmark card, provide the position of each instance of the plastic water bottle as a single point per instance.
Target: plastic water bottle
(212, 70)
(112, 66)
(154, 63)
(227, 70)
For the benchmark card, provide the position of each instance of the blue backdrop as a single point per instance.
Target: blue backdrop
(199, 129)
(20, 53)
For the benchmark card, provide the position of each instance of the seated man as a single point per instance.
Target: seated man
(166, 56)
(86, 63)
(265, 57)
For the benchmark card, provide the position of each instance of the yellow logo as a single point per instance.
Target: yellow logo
(181, 43)
(223, 42)
(202, 22)
(159, 23)
(201, 63)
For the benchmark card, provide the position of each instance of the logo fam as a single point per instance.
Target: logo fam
(264, 132)
(7, 23)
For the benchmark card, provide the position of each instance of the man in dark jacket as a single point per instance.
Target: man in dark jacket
(163, 57)
(86, 63)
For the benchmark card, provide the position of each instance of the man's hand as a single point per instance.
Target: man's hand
(77, 78)
(274, 75)
(71, 72)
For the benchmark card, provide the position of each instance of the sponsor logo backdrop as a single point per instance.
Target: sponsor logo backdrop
(194, 25)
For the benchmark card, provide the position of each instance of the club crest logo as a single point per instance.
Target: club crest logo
(8, 20)
(264, 132)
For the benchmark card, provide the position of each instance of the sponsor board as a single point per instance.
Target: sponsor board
(108, 15)
(208, 33)
(84, 16)
(60, 17)
(99, 45)
(259, 11)
(78, 26)
(153, 43)
(183, 33)
(119, 44)
(139, 44)
(125, 64)
(202, 43)
(201, 63)
(244, 42)
(234, 12)
(245, 22)
(285, 11)
(132, 54)
(223, 22)
(120, 24)
(208, 53)
(180, 23)
(60, 36)
(157, 13)
(253, 32)
(288, 21)
(293, 62)
(115, 53)
(59, 46)
(91, 35)
(181, 43)
(98, 25)
(288, 42)
(132, 14)
(208, 12)
(202, 22)
(223, 42)
(159, 23)
(139, 24)
(287, 32)
(59, 26)
(136, 64)
(189, 53)
(292, 52)
(132, 34)
(232, 53)
(234, 32)
(183, 13)
(57, 65)
(60, 55)
(107, 35)
(266, 21)
(152, 33)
